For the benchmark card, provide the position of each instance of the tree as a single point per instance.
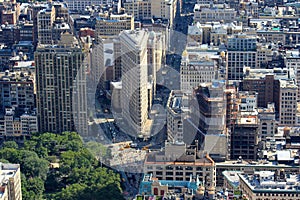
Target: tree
(35, 167)
(53, 182)
(9, 154)
(30, 145)
(70, 160)
(78, 176)
(72, 192)
(10, 144)
(110, 191)
(73, 145)
(32, 188)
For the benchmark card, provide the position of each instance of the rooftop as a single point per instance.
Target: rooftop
(178, 154)
(8, 77)
(261, 163)
(178, 102)
(187, 160)
(287, 84)
(232, 177)
(249, 120)
(148, 179)
(267, 181)
(137, 36)
(7, 171)
(279, 73)
(195, 29)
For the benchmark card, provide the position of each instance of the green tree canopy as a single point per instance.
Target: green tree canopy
(78, 176)
(10, 144)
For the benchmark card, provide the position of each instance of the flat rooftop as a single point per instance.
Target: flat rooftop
(232, 177)
(261, 163)
(155, 157)
(178, 102)
(248, 120)
(267, 181)
(7, 171)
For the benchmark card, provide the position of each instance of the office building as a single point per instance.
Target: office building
(61, 87)
(250, 165)
(10, 182)
(204, 14)
(134, 79)
(81, 5)
(116, 92)
(192, 189)
(210, 100)
(288, 103)
(117, 60)
(164, 9)
(110, 25)
(178, 163)
(17, 90)
(244, 129)
(103, 61)
(9, 34)
(45, 19)
(212, 32)
(14, 125)
(97, 60)
(266, 83)
(26, 32)
(208, 112)
(269, 185)
(231, 180)
(207, 54)
(177, 109)
(195, 70)
(292, 60)
(156, 54)
(139, 9)
(35, 10)
(244, 137)
(241, 52)
(267, 122)
(278, 87)
(265, 54)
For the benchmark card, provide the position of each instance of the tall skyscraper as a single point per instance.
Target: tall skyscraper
(61, 86)
(134, 79)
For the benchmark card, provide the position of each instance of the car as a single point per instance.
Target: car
(133, 145)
